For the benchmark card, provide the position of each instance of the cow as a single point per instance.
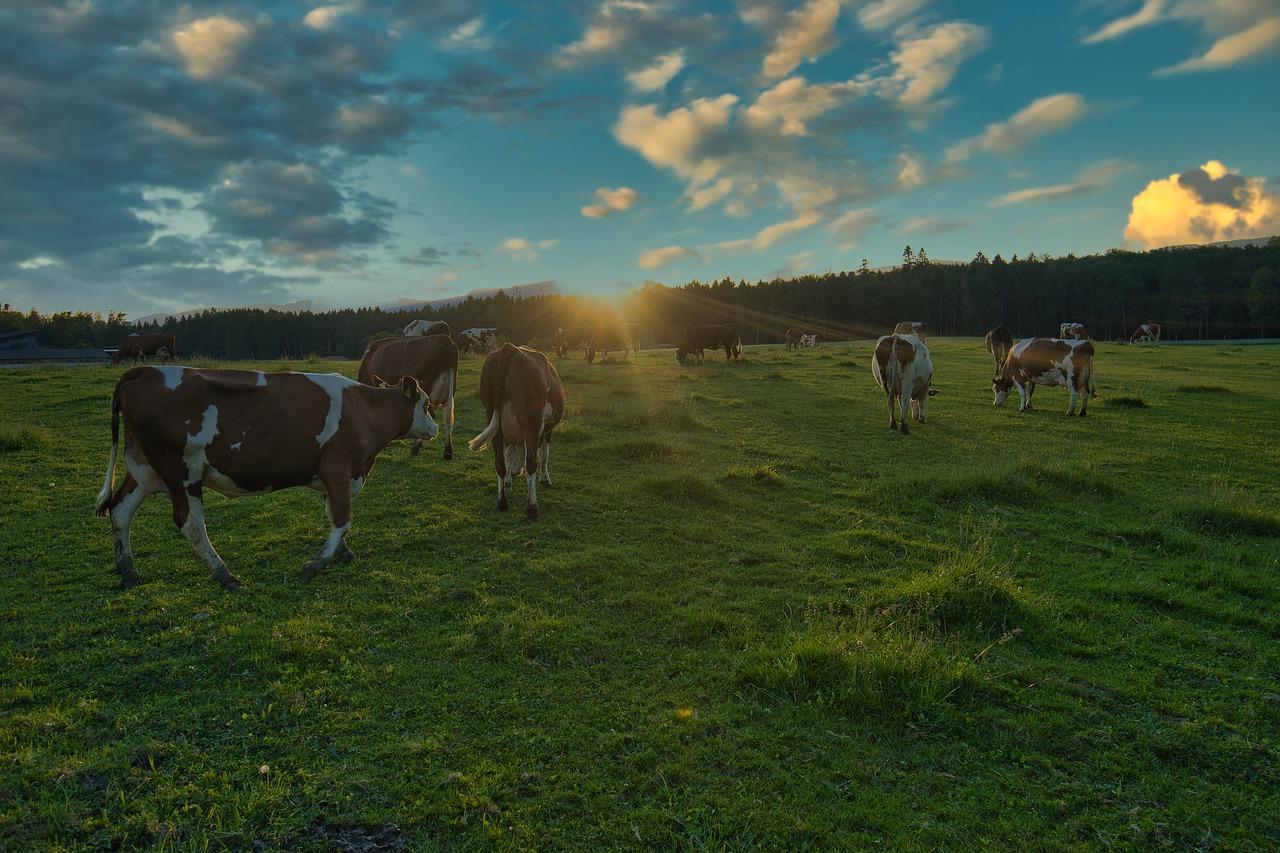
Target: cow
(523, 401)
(477, 340)
(571, 337)
(793, 337)
(245, 432)
(426, 327)
(1146, 332)
(697, 339)
(613, 336)
(998, 343)
(1047, 361)
(1072, 332)
(910, 327)
(903, 369)
(431, 359)
(808, 341)
(137, 347)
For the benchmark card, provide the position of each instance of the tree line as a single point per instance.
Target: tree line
(1193, 292)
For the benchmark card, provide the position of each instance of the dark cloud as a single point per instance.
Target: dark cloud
(429, 256)
(1226, 189)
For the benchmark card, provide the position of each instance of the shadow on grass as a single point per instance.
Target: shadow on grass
(689, 488)
(15, 438)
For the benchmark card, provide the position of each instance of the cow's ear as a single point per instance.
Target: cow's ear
(410, 386)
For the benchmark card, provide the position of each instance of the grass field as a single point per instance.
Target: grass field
(749, 616)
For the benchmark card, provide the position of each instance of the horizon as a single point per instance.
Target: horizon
(160, 159)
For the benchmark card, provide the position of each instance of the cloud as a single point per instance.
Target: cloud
(884, 14)
(1202, 205)
(796, 264)
(611, 201)
(925, 62)
(934, 225)
(911, 173)
(521, 249)
(677, 140)
(210, 46)
(633, 32)
(1241, 29)
(427, 256)
(324, 17)
(807, 34)
(1093, 178)
(656, 77)
(847, 229)
(655, 258)
(1262, 37)
(791, 103)
(773, 233)
(1043, 116)
(1150, 12)
(467, 36)
(704, 197)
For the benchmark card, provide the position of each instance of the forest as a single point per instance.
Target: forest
(1198, 292)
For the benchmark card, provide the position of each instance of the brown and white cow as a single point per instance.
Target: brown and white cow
(432, 360)
(523, 401)
(419, 328)
(1072, 332)
(571, 337)
(698, 339)
(910, 327)
(477, 339)
(809, 341)
(998, 343)
(244, 432)
(1047, 361)
(1146, 332)
(613, 336)
(136, 347)
(793, 337)
(903, 369)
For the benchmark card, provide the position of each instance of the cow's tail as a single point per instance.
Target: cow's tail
(109, 482)
(737, 344)
(1089, 385)
(481, 441)
(892, 368)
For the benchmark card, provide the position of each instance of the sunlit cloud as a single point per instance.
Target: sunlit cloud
(848, 229)
(210, 46)
(926, 62)
(1093, 178)
(807, 34)
(1042, 117)
(520, 249)
(656, 77)
(655, 258)
(885, 14)
(1262, 37)
(611, 201)
(1202, 205)
(1241, 30)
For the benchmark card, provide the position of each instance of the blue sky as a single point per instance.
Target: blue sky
(161, 156)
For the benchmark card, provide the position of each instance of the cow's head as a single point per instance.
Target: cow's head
(1000, 386)
(423, 425)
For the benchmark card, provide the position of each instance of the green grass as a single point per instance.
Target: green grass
(750, 617)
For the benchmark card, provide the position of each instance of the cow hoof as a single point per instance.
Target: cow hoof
(502, 504)
(129, 580)
(906, 430)
(546, 484)
(531, 512)
(416, 449)
(1083, 413)
(345, 554)
(230, 583)
(448, 451)
(310, 569)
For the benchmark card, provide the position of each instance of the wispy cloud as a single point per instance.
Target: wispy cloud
(521, 249)
(611, 201)
(1091, 179)
(655, 258)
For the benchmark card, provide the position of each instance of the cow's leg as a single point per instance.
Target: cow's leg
(448, 426)
(181, 477)
(1071, 405)
(124, 504)
(1084, 401)
(500, 464)
(344, 553)
(514, 459)
(532, 452)
(544, 453)
(337, 504)
(888, 399)
(194, 531)
(903, 421)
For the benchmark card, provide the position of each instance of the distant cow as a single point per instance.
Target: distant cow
(421, 328)
(910, 327)
(1146, 332)
(1047, 361)
(432, 360)
(523, 401)
(244, 432)
(613, 336)
(477, 340)
(571, 337)
(137, 347)
(793, 337)
(808, 340)
(1072, 332)
(698, 339)
(904, 371)
(998, 343)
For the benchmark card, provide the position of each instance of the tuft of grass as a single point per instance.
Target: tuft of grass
(646, 449)
(686, 487)
(572, 432)
(1126, 402)
(23, 437)
(760, 475)
(965, 593)
(1220, 520)
(1204, 389)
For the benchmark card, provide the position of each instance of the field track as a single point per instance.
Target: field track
(750, 616)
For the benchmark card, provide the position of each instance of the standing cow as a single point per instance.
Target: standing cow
(1146, 332)
(431, 359)
(1072, 332)
(698, 339)
(998, 343)
(904, 371)
(613, 336)
(910, 327)
(477, 339)
(809, 341)
(571, 337)
(1047, 361)
(523, 401)
(793, 337)
(244, 432)
(136, 347)
(421, 328)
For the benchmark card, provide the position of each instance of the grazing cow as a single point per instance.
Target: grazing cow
(137, 347)
(998, 343)
(571, 337)
(910, 327)
(1146, 332)
(700, 338)
(421, 328)
(244, 432)
(1072, 332)
(613, 336)
(793, 338)
(808, 340)
(431, 359)
(1047, 361)
(904, 371)
(477, 340)
(523, 401)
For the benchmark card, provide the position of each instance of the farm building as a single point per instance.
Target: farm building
(19, 348)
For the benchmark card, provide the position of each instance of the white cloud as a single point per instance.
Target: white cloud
(1043, 116)
(1202, 205)
(704, 197)
(910, 171)
(677, 140)
(1151, 11)
(1091, 179)
(926, 62)
(469, 36)
(654, 258)
(848, 228)
(210, 46)
(787, 106)
(934, 225)
(796, 264)
(324, 17)
(1261, 38)
(771, 234)
(884, 14)
(656, 77)
(611, 201)
(1241, 29)
(806, 35)
(521, 249)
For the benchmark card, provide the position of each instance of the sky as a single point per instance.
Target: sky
(158, 155)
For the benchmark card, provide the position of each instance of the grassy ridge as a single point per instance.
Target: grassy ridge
(750, 615)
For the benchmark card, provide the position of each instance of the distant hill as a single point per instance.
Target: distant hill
(516, 291)
(297, 307)
(1230, 244)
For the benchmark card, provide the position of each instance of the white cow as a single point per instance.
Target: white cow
(478, 340)
(903, 369)
(808, 340)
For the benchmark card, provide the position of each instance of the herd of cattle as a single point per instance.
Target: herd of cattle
(243, 432)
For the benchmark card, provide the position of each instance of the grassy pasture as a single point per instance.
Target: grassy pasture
(749, 616)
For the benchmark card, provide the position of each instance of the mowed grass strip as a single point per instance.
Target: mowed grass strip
(750, 617)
